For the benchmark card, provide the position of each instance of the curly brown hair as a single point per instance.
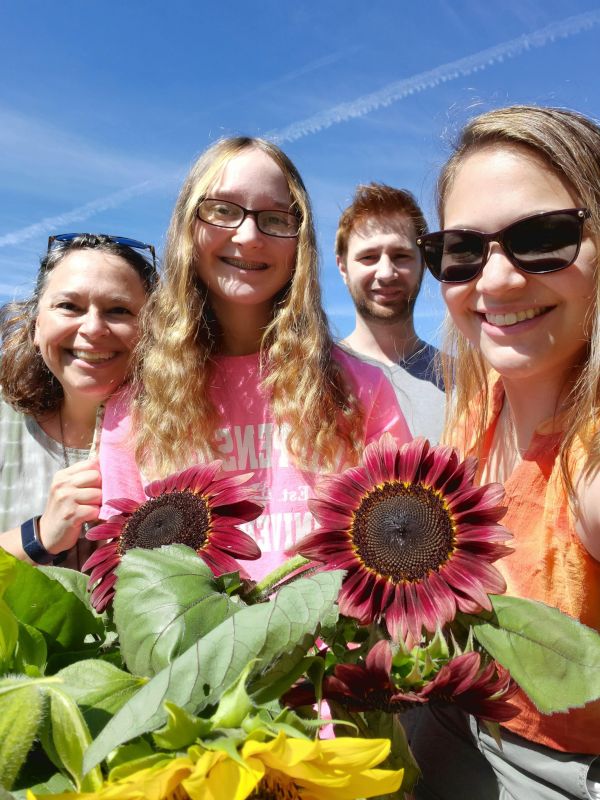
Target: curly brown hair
(27, 383)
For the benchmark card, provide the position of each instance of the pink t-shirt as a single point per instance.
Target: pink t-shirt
(251, 442)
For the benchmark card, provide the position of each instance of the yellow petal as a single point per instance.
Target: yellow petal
(223, 778)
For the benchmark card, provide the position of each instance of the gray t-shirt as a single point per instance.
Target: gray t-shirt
(29, 459)
(418, 390)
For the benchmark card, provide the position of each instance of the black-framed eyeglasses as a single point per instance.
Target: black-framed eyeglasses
(541, 243)
(225, 214)
(125, 241)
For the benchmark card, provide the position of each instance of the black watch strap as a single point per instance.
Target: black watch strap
(30, 540)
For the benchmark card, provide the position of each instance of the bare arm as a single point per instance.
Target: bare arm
(588, 522)
(75, 497)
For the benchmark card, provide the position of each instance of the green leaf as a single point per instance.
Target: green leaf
(70, 737)
(31, 650)
(553, 657)
(389, 726)
(45, 604)
(166, 600)
(73, 581)
(20, 716)
(9, 634)
(7, 570)
(182, 729)
(57, 784)
(100, 684)
(197, 678)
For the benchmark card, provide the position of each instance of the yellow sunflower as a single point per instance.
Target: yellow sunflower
(290, 769)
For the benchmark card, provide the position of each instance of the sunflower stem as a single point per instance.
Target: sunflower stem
(265, 587)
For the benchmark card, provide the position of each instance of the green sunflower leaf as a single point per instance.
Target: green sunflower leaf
(166, 600)
(70, 737)
(553, 657)
(198, 677)
(20, 716)
(45, 604)
(99, 688)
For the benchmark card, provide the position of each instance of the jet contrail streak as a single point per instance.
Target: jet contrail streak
(432, 78)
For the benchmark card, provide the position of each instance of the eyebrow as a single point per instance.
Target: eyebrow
(234, 197)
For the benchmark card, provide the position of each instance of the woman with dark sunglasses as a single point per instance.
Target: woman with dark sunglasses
(64, 351)
(238, 361)
(519, 201)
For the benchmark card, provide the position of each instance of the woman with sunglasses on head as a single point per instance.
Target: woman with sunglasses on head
(519, 201)
(64, 351)
(238, 361)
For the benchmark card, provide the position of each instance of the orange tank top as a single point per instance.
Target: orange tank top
(549, 564)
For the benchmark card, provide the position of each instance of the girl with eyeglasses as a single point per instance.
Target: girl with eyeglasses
(519, 201)
(238, 363)
(64, 351)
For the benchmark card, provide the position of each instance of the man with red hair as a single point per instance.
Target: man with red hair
(381, 265)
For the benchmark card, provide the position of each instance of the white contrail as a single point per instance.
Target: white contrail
(344, 111)
(432, 78)
(76, 215)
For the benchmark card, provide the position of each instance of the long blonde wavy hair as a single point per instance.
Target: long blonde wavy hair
(174, 416)
(569, 144)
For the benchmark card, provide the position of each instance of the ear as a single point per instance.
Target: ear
(341, 265)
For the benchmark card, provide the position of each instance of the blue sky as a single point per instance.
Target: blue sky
(104, 105)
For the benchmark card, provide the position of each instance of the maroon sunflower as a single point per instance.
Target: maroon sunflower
(194, 507)
(416, 538)
(484, 691)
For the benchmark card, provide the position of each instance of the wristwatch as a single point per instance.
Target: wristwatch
(30, 539)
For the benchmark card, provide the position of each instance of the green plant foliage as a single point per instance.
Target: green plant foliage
(70, 737)
(18, 729)
(176, 602)
(197, 678)
(45, 604)
(553, 658)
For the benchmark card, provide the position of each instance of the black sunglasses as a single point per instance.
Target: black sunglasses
(135, 244)
(225, 214)
(541, 243)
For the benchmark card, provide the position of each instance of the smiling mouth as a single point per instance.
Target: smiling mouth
(248, 266)
(91, 357)
(513, 317)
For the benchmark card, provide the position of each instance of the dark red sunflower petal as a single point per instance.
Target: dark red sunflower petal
(107, 530)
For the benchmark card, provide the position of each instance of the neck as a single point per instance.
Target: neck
(388, 343)
(78, 418)
(242, 329)
(532, 402)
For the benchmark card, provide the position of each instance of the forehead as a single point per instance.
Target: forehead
(93, 270)
(396, 229)
(252, 175)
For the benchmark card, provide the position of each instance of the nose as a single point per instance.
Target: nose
(93, 324)
(248, 232)
(385, 269)
(499, 274)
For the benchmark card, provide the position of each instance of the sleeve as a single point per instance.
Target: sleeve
(378, 398)
(120, 474)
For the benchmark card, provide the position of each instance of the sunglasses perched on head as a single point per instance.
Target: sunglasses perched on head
(125, 241)
(541, 243)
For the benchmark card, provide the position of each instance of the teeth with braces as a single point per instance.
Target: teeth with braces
(503, 320)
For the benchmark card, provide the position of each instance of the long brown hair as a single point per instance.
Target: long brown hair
(175, 417)
(568, 143)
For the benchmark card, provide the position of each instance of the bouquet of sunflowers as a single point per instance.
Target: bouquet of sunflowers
(172, 676)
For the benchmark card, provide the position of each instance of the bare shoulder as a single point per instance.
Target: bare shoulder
(588, 520)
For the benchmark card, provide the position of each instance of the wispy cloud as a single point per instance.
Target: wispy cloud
(77, 214)
(398, 90)
(363, 105)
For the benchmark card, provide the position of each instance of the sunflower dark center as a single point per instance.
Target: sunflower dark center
(173, 518)
(274, 787)
(403, 531)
